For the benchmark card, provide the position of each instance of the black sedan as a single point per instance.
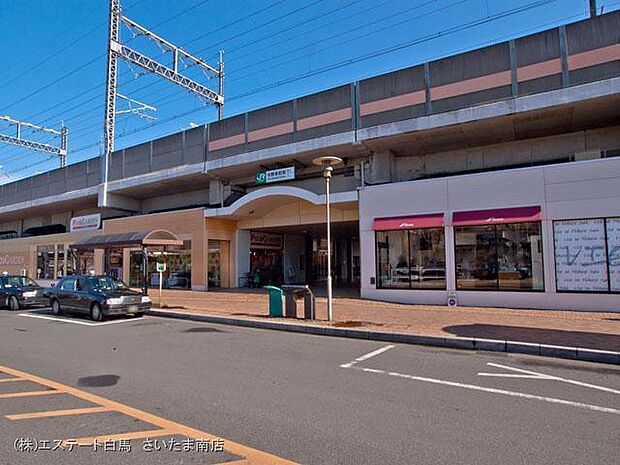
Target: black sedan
(98, 296)
(19, 291)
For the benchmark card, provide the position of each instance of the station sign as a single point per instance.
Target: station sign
(161, 267)
(281, 174)
(85, 223)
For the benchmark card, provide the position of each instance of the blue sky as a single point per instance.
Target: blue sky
(54, 66)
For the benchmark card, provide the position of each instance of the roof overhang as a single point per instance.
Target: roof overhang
(156, 237)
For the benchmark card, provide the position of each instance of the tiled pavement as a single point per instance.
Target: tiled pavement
(592, 330)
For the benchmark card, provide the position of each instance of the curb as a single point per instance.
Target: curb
(493, 345)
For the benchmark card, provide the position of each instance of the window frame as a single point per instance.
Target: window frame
(609, 291)
(410, 288)
(498, 289)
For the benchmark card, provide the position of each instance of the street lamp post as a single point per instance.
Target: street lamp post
(328, 164)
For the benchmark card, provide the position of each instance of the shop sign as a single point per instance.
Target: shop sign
(85, 223)
(260, 240)
(12, 259)
(281, 174)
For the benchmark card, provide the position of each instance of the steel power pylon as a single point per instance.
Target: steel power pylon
(117, 50)
(19, 141)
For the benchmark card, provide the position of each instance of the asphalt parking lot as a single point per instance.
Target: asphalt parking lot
(273, 397)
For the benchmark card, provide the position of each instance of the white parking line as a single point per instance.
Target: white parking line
(536, 375)
(474, 387)
(76, 322)
(367, 356)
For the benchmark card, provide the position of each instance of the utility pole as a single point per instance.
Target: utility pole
(593, 8)
(117, 50)
(18, 140)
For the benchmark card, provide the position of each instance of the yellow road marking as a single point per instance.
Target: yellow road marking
(89, 440)
(58, 413)
(254, 456)
(11, 395)
(9, 380)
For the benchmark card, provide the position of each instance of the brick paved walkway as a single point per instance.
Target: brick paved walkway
(592, 330)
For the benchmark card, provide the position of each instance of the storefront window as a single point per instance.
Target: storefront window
(393, 261)
(114, 262)
(178, 274)
(427, 258)
(499, 257)
(85, 261)
(60, 264)
(266, 258)
(587, 255)
(45, 262)
(412, 259)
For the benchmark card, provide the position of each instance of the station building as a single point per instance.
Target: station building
(489, 178)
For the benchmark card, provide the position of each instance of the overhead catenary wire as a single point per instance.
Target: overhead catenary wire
(376, 53)
(98, 87)
(89, 62)
(365, 57)
(152, 84)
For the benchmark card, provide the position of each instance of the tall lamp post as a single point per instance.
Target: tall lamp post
(328, 164)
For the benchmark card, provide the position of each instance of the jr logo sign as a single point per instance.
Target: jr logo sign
(261, 177)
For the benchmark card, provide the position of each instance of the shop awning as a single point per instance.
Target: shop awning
(497, 216)
(434, 220)
(157, 237)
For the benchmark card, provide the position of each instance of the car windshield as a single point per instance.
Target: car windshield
(105, 283)
(19, 281)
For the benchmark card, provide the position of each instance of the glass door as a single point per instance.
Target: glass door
(214, 271)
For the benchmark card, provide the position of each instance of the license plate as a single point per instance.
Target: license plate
(133, 309)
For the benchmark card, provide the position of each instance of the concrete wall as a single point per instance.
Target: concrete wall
(58, 181)
(521, 153)
(576, 190)
(176, 201)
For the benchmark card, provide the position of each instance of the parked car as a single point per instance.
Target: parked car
(99, 296)
(18, 291)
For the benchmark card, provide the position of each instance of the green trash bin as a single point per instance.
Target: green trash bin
(276, 297)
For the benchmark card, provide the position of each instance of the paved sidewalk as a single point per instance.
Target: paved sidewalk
(590, 330)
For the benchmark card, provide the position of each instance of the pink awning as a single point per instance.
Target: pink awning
(497, 216)
(434, 220)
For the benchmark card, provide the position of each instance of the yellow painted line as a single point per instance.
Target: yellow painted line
(89, 440)
(12, 395)
(10, 380)
(254, 456)
(236, 462)
(58, 413)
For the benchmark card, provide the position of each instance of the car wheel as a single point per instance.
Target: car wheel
(13, 303)
(56, 310)
(95, 312)
(139, 315)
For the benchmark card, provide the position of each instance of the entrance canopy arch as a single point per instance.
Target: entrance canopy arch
(262, 201)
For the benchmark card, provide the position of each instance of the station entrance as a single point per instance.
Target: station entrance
(298, 255)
